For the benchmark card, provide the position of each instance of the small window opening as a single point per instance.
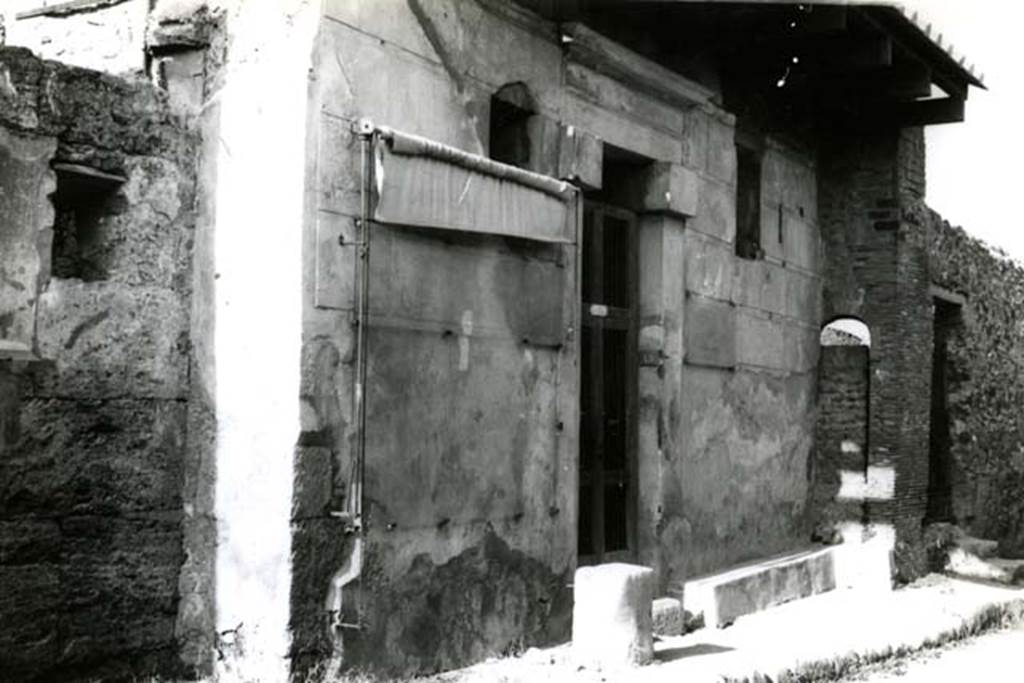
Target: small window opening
(82, 201)
(749, 152)
(511, 109)
(782, 223)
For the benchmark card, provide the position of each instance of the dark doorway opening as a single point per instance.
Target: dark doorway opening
(607, 492)
(940, 464)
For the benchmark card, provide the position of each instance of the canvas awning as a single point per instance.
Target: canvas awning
(425, 183)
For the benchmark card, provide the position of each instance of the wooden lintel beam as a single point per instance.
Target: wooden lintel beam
(951, 87)
(902, 83)
(887, 115)
(929, 112)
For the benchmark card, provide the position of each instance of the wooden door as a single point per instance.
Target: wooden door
(607, 496)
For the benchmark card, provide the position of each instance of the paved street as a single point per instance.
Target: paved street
(837, 626)
(992, 657)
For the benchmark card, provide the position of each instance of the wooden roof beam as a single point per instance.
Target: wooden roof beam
(853, 54)
(929, 112)
(901, 82)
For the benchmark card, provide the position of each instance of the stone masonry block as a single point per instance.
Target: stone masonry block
(721, 150)
(109, 37)
(110, 341)
(716, 213)
(363, 77)
(695, 138)
(710, 332)
(760, 339)
(119, 580)
(389, 20)
(142, 238)
(612, 615)
(30, 604)
(336, 237)
(672, 188)
(312, 487)
(864, 565)
(709, 267)
(87, 108)
(338, 167)
(581, 157)
(545, 135)
(97, 457)
(26, 217)
(667, 616)
(620, 130)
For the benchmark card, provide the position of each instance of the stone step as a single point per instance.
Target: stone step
(721, 598)
(969, 565)
(979, 547)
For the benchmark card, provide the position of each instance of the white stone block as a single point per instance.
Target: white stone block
(667, 616)
(612, 615)
(864, 560)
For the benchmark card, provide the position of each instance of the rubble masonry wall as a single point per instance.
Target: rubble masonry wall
(92, 453)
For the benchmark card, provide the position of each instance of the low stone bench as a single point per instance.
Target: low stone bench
(611, 617)
(718, 599)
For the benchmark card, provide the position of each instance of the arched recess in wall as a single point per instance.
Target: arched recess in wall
(841, 451)
(512, 105)
(846, 331)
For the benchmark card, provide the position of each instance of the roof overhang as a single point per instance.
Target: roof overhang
(838, 63)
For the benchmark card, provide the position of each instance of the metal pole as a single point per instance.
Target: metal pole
(365, 131)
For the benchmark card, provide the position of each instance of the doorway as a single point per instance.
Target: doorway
(940, 462)
(607, 482)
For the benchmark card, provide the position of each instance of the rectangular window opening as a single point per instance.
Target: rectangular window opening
(748, 201)
(82, 201)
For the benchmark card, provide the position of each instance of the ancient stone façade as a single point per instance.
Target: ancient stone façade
(193, 383)
(93, 457)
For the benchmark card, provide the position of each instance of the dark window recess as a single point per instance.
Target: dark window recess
(748, 202)
(511, 109)
(782, 223)
(84, 197)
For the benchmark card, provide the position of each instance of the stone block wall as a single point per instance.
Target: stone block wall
(985, 383)
(737, 485)
(729, 345)
(467, 546)
(101, 35)
(92, 453)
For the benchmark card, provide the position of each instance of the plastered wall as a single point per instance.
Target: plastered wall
(726, 409)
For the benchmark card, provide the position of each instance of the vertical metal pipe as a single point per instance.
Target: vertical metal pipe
(353, 515)
(365, 130)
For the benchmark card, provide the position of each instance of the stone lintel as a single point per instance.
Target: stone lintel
(671, 188)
